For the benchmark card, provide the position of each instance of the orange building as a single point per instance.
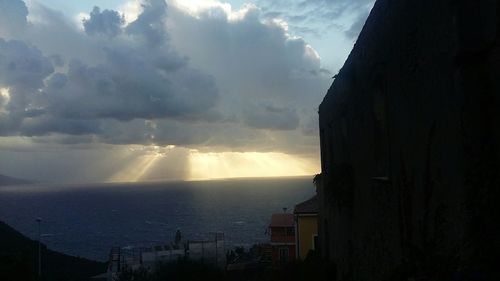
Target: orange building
(282, 230)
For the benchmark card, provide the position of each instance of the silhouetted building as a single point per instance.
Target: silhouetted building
(410, 145)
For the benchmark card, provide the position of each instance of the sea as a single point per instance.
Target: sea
(86, 220)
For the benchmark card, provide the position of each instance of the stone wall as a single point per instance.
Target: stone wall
(410, 133)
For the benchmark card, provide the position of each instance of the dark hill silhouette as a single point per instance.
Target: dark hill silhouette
(5, 180)
(18, 260)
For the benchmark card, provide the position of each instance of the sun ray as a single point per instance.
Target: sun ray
(247, 164)
(137, 169)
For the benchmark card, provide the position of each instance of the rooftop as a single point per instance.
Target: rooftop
(282, 220)
(309, 206)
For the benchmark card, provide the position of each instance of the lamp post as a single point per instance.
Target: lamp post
(39, 221)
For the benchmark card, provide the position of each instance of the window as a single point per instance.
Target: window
(284, 254)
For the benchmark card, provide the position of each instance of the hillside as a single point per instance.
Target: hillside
(18, 260)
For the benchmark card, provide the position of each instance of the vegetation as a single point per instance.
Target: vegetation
(19, 260)
(183, 270)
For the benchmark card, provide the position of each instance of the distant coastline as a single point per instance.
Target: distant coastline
(6, 180)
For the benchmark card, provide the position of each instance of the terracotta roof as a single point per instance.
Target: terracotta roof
(282, 220)
(309, 206)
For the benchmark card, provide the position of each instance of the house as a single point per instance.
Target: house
(306, 227)
(282, 231)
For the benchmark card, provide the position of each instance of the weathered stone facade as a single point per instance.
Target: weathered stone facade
(410, 145)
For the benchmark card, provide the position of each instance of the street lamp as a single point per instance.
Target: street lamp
(39, 221)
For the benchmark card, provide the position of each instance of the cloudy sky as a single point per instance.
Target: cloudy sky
(131, 90)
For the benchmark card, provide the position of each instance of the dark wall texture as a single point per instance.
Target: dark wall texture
(410, 146)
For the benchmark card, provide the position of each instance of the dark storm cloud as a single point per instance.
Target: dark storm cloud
(13, 16)
(22, 66)
(160, 132)
(150, 25)
(128, 86)
(45, 125)
(267, 116)
(107, 22)
(22, 71)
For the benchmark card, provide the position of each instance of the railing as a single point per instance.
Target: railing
(282, 238)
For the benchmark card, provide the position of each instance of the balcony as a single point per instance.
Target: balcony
(277, 238)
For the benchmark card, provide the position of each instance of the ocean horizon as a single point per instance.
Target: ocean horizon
(86, 220)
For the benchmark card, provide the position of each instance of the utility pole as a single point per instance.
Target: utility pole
(216, 247)
(39, 220)
(216, 256)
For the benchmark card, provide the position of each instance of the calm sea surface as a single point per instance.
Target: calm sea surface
(87, 220)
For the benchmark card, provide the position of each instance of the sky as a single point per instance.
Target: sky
(139, 90)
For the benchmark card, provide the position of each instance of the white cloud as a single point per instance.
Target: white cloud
(197, 75)
(130, 10)
(136, 75)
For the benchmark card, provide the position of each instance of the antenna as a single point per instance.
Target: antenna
(39, 221)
